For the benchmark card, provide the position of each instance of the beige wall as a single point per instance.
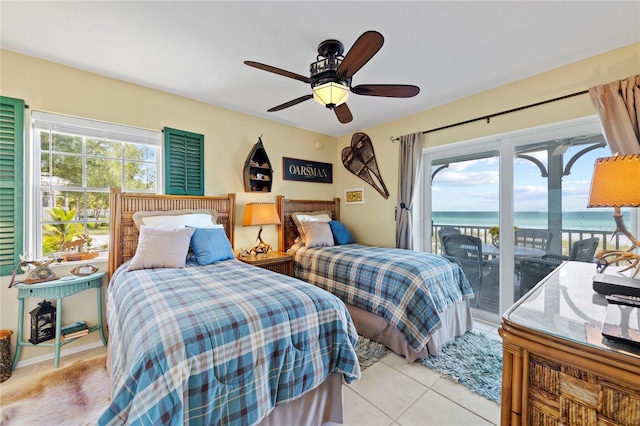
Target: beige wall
(379, 228)
(230, 135)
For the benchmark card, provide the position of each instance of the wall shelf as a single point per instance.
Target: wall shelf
(258, 173)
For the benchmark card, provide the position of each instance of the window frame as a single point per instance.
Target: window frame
(87, 129)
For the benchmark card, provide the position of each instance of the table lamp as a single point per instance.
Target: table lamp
(260, 214)
(616, 183)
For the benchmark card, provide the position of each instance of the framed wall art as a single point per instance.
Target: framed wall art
(354, 196)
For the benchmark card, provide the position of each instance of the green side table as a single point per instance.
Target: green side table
(58, 289)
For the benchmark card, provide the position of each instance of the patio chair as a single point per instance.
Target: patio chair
(444, 231)
(466, 251)
(533, 270)
(536, 238)
(581, 251)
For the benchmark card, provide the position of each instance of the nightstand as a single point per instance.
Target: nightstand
(274, 261)
(58, 290)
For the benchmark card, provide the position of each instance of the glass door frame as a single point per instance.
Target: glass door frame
(506, 143)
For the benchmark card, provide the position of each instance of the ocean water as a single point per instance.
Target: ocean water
(592, 220)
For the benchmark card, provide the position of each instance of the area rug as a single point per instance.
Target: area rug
(369, 352)
(77, 394)
(473, 360)
(74, 395)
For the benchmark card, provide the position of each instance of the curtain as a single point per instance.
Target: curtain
(408, 170)
(618, 106)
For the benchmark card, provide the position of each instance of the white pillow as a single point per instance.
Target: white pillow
(139, 216)
(314, 218)
(192, 220)
(317, 216)
(318, 234)
(161, 248)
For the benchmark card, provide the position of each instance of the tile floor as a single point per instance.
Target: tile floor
(390, 392)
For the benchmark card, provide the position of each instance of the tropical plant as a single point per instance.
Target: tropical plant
(494, 231)
(56, 234)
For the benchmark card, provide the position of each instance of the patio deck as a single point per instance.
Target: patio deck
(489, 298)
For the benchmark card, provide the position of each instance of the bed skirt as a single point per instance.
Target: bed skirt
(317, 407)
(456, 320)
(322, 405)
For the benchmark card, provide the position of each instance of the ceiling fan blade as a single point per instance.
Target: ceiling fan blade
(387, 90)
(290, 103)
(278, 71)
(362, 50)
(343, 113)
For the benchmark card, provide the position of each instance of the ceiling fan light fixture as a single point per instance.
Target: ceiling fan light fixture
(331, 94)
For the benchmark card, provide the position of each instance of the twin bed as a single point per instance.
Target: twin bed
(221, 342)
(412, 302)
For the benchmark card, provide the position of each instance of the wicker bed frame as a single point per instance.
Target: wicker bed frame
(457, 318)
(287, 230)
(123, 234)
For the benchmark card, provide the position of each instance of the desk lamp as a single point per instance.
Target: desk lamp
(616, 183)
(260, 214)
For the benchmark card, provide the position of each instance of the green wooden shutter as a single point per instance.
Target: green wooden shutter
(11, 182)
(183, 162)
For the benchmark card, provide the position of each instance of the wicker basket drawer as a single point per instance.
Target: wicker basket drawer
(561, 394)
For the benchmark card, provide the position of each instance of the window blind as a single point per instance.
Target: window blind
(94, 128)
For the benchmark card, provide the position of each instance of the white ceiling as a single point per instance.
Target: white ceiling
(196, 49)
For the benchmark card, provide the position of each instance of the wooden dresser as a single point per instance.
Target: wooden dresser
(558, 369)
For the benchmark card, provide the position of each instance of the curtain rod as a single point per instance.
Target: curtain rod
(488, 117)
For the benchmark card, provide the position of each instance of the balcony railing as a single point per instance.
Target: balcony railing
(491, 294)
(569, 236)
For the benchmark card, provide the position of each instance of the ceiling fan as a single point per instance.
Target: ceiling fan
(331, 74)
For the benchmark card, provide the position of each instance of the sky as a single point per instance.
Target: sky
(473, 185)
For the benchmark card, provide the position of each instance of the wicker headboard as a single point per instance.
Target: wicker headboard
(123, 234)
(287, 231)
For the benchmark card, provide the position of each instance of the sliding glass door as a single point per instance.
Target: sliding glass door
(551, 189)
(534, 183)
(465, 199)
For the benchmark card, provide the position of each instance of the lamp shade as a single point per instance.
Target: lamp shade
(260, 214)
(331, 94)
(616, 182)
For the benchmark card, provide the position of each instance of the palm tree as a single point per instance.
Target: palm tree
(63, 231)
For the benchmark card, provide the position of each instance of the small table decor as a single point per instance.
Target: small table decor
(83, 270)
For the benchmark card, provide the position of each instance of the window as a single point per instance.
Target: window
(76, 162)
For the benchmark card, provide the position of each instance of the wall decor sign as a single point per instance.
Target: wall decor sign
(306, 170)
(354, 196)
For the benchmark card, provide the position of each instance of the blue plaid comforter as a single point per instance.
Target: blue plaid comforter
(219, 344)
(407, 288)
